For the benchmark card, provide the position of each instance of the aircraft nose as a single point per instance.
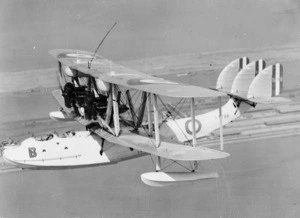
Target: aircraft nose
(7, 155)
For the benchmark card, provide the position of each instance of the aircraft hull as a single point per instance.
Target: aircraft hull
(80, 150)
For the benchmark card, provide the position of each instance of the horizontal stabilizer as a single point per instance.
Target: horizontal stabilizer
(228, 74)
(273, 100)
(245, 77)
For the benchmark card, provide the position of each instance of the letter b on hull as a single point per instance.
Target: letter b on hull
(32, 152)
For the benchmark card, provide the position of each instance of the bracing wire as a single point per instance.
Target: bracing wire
(183, 166)
(174, 119)
(170, 164)
(148, 135)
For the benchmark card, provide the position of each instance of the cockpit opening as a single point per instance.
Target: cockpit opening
(45, 138)
(67, 134)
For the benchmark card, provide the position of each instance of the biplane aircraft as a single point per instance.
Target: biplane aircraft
(119, 108)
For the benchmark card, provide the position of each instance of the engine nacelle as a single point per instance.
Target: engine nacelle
(102, 86)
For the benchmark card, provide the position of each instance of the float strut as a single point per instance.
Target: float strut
(221, 124)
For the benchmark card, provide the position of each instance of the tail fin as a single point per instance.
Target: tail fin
(228, 74)
(244, 78)
(268, 84)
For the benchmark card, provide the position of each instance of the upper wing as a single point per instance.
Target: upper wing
(107, 71)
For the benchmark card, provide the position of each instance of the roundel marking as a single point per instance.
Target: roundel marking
(188, 127)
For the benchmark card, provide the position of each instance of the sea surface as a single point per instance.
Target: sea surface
(260, 179)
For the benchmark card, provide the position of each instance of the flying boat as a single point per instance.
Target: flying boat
(121, 110)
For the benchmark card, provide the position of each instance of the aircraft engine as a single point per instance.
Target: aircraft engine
(102, 86)
(68, 94)
(89, 112)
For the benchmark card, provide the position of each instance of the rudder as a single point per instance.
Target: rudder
(269, 83)
(277, 79)
(245, 77)
(229, 72)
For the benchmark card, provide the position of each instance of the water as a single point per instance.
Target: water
(258, 180)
